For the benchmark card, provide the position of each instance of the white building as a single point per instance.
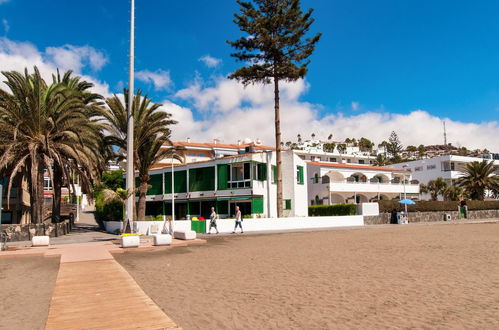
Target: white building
(247, 180)
(448, 167)
(314, 151)
(352, 183)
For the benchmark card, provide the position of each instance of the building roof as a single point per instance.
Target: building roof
(354, 166)
(220, 145)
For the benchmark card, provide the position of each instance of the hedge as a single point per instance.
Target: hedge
(332, 210)
(435, 206)
(107, 212)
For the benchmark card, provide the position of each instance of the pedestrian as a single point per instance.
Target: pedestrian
(393, 218)
(213, 220)
(239, 221)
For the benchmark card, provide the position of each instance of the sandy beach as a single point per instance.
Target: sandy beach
(26, 285)
(430, 276)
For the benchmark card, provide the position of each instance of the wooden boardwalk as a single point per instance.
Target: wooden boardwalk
(102, 295)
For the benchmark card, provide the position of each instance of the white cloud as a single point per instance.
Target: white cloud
(20, 55)
(6, 26)
(210, 61)
(227, 110)
(69, 57)
(159, 78)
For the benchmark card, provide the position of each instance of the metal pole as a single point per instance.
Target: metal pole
(173, 194)
(130, 177)
(405, 197)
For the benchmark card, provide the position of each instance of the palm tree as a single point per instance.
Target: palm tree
(151, 133)
(93, 152)
(477, 178)
(120, 194)
(41, 126)
(434, 188)
(454, 193)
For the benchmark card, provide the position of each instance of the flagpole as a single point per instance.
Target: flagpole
(130, 175)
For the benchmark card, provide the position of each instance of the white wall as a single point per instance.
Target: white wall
(281, 224)
(143, 227)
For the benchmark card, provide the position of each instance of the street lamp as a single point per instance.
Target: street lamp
(405, 194)
(130, 175)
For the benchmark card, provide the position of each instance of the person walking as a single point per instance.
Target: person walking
(213, 220)
(239, 221)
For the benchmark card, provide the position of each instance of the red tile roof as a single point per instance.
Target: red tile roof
(219, 145)
(354, 166)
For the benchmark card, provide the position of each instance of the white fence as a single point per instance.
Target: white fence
(263, 224)
(147, 227)
(281, 224)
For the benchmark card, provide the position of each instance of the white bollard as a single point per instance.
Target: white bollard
(40, 241)
(130, 241)
(163, 239)
(185, 235)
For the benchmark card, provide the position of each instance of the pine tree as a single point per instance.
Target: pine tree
(277, 49)
(394, 146)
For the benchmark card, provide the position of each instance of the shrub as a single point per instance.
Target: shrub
(435, 206)
(332, 210)
(107, 212)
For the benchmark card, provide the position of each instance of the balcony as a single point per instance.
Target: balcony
(345, 186)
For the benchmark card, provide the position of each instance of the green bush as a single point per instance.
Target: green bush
(332, 210)
(435, 206)
(107, 212)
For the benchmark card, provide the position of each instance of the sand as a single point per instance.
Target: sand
(431, 276)
(26, 285)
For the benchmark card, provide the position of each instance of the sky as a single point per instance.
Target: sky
(380, 66)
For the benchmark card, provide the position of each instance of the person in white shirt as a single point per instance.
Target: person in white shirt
(213, 220)
(239, 221)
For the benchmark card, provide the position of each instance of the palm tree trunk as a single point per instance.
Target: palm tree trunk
(57, 186)
(141, 209)
(36, 190)
(278, 147)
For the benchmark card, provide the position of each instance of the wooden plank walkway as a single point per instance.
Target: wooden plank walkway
(102, 295)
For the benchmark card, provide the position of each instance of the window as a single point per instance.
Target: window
(299, 175)
(274, 174)
(349, 160)
(287, 204)
(361, 161)
(201, 155)
(240, 175)
(260, 171)
(47, 183)
(333, 159)
(418, 168)
(315, 179)
(447, 166)
(431, 167)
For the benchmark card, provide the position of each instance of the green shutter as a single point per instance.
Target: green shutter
(180, 182)
(156, 183)
(274, 174)
(300, 175)
(287, 204)
(202, 179)
(257, 205)
(262, 172)
(222, 176)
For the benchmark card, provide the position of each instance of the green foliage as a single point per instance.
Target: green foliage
(111, 211)
(365, 144)
(394, 147)
(478, 177)
(434, 188)
(328, 147)
(113, 179)
(433, 206)
(332, 210)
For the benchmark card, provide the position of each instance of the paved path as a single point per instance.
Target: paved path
(102, 295)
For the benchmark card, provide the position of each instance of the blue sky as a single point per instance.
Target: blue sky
(384, 57)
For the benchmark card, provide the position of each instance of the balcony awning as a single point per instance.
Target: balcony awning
(233, 198)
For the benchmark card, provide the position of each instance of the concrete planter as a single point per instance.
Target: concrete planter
(40, 241)
(130, 241)
(185, 235)
(162, 239)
